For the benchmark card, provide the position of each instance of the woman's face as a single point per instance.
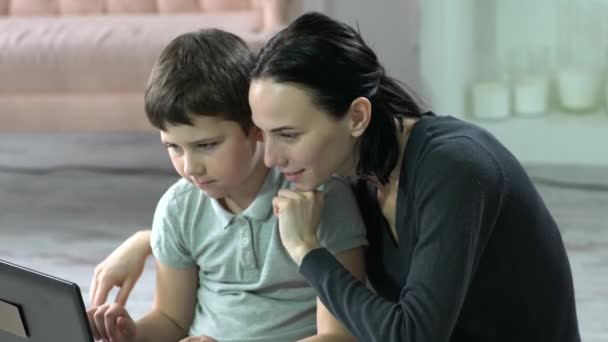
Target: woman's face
(304, 142)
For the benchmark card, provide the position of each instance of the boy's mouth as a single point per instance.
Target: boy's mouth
(202, 183)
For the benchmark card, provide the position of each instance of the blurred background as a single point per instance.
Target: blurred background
(81, 169)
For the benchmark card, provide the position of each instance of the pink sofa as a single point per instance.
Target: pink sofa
(81, 65)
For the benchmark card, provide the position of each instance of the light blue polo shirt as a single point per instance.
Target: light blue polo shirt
(249, 287)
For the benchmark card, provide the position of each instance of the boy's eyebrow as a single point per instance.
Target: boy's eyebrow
(196, 142)
(205, 140)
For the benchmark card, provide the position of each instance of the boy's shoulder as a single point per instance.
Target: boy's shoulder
(183, 193)
(182, 188)
(337, 186)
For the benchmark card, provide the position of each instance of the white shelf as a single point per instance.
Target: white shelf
(555, 138)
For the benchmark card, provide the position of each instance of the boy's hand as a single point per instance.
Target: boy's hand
(299, 214)
(122, 268)
(111, 322)
(198, 339)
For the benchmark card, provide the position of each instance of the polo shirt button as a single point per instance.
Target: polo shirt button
(245, 241)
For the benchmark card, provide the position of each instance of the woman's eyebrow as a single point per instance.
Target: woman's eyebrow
(282, 128)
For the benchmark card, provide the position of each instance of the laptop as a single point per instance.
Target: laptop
(36, 307)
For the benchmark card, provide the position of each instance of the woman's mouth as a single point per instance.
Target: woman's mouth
(293, 176)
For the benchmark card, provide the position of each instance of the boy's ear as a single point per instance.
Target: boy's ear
(360, 114)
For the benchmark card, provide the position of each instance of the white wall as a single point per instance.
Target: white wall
(390, 27)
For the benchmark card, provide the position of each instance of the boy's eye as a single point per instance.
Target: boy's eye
(172, 147)
(207, 146)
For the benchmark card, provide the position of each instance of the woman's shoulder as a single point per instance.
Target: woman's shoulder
(446, 148)
(451, 140)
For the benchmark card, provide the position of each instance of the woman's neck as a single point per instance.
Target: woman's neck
(402, 138)
(387, 193)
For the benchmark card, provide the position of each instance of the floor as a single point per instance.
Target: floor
(67, 201)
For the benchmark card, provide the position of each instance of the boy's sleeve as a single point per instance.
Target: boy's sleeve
(168, 245)
(341, 226)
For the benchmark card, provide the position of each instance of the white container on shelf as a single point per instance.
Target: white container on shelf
(530, 96)
(578, 89)
(490, 100)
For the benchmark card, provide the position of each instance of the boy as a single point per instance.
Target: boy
(222, 273)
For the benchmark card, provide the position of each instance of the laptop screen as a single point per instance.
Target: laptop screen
(35, 307)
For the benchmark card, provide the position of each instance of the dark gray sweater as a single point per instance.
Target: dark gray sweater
(478, 257)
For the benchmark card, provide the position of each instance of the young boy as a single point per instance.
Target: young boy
(222, 272)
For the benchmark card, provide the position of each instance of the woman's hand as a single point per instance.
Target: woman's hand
(122, 268)
(299, 214)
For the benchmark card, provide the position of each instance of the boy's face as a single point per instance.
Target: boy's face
(213, 154)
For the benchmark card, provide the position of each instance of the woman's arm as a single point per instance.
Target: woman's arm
(457, 201)
(328, 327)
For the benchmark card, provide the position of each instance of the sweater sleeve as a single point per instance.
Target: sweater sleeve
(457, 196)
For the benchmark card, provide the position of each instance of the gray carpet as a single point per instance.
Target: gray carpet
(66, 200)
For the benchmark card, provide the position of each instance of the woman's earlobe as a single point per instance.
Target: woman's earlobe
(360, 115)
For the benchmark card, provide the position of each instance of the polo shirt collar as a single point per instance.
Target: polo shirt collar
(261, 207)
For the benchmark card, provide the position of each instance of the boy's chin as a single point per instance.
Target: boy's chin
(215, 193)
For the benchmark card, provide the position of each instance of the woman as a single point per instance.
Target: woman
(465, 248)
(461, 245)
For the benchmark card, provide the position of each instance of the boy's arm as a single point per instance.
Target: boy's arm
(174, 305)
(328, 327)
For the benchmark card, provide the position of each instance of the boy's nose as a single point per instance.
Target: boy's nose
(193, 167)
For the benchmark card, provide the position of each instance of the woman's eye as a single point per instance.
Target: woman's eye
(289, 136)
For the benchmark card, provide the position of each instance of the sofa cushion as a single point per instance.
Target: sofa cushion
(33, 7)
(3, 7)
(225, 5)
(98, 53)
(81, 7)
(131, 6)
(178, 6)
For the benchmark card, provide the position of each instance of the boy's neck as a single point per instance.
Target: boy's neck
(239, 201)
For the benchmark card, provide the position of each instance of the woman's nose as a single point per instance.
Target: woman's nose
(273, 156)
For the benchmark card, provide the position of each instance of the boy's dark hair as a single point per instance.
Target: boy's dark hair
(205, 72)
(331, 61)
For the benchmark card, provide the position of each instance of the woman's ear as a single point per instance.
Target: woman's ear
(360, 114)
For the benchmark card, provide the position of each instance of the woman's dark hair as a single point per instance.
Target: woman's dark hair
(331, 61)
